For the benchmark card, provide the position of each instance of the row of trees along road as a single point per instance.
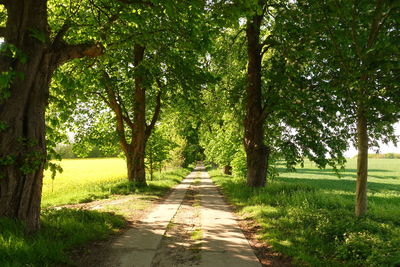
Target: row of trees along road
(318, 74)
(288, 79)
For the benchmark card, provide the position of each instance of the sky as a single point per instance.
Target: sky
(383, 148)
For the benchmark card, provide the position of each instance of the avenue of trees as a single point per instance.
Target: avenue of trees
(238, 83)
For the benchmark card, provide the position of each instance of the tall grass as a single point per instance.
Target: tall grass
(61, 230)
(308, 214)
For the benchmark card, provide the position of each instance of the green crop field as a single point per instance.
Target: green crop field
(308, 214)
(80, 179)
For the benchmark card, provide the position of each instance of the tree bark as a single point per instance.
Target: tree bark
(256, 151)
(139, 130)
(362, 163)
(22, 141)
(151, 164)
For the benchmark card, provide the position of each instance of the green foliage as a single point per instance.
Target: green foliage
(157, 149)
(37, 34)
(61, 230)
(239, 165)
(94, 130)
(347, 59)
(308, 214)
(65, 151)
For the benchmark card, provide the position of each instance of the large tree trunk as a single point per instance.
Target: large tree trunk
(253, 124)
(129, 167)
(139, 130)
(362, 163)
(22, 140)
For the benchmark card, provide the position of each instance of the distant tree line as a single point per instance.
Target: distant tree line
(384, 156)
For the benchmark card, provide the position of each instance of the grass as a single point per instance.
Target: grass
(308, 214)
(197, 234)
(61, 230)
(64, 229)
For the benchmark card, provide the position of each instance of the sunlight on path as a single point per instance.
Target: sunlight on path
(137, 246)
(223, 243)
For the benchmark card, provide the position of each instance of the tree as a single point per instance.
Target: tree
(157, 150)
(256, 151)
(29, 55)
(352, 54)
(283, 114)
(153, 56)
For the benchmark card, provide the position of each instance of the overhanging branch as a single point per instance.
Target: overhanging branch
(137, 2)
(69, 52)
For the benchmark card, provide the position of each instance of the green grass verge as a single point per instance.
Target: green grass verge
(308, 214)
(65, 229)
(61, 230)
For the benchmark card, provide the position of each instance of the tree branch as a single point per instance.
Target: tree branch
(353, 29)
(156, 114)
(59, 38)
(69, 52)
(265, 50)
(125, 114)
(113, 104)
(138, 2)
(378, 21)
(237, 34)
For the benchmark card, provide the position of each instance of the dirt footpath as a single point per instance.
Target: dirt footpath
(193, 227)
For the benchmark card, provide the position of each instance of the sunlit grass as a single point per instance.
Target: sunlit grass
(308, 214)
(61, 230)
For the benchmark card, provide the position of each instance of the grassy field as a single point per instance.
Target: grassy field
(308, 214)
(85, 180)
(63, 229)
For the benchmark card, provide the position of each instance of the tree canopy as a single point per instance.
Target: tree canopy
(237, 83)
